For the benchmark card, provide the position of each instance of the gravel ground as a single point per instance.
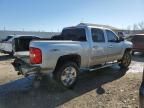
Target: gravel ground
(106, 88)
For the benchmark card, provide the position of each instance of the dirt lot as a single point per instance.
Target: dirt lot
(106, 88)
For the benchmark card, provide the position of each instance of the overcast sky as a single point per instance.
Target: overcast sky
(53, 15)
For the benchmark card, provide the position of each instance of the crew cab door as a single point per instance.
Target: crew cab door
(98, 54)
(114, 47)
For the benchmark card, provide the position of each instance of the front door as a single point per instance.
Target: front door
(114, 48)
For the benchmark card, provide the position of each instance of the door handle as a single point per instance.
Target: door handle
(110, 46)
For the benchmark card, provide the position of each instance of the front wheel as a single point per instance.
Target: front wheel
(126, 60)
(67, 74)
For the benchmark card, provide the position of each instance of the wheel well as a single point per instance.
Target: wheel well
(73, 57)
(128, 49)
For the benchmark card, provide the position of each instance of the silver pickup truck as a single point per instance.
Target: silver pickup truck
(77, 48)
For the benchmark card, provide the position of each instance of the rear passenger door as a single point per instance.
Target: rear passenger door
(114, 48)
(98, 48)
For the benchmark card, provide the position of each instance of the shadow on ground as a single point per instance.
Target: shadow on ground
(5, 57)
(20, 94)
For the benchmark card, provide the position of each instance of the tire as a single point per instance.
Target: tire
(67, 74)
(126, 60)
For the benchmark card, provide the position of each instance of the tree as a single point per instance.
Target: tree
(135, 27)
(141, 25)
(129, 29)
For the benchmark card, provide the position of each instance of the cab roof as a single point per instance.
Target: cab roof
(98, 26)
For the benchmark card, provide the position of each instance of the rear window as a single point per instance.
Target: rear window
(74, 34)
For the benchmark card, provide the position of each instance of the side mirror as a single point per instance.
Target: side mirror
(121, 39)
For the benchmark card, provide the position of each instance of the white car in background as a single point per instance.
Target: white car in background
(8, 45)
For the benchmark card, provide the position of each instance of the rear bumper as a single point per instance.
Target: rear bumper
(24, 68)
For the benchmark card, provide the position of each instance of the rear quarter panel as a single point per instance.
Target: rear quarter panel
(53, 50)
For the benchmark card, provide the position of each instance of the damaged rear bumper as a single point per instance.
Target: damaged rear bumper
(24, 68)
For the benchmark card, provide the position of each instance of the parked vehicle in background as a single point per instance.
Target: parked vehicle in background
(138, 43)
(82, 47)
(121, 34)
(7, 45)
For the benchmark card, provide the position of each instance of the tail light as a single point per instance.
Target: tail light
(35, 56)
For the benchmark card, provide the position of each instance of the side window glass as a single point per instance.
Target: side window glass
(97, 35)
(111, 36)
(81, 35)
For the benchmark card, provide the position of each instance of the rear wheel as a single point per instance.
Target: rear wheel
(126, 60)
(67, 74)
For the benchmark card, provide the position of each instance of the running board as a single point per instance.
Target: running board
(104, 66)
